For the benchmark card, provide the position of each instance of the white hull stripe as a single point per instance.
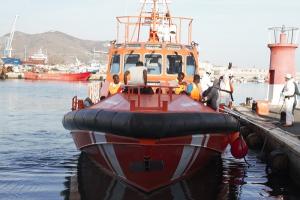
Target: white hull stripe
(198, 148)
(177, 192)
(91, 137)
(193, 159)
(206, 140)
(184, 160)
(111, 155)
(108, 153)
(188, 155)
(100, 137)
(96, 137)
(197, 140)
(118, 191)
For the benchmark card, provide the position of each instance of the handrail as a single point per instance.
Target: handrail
(163, 107)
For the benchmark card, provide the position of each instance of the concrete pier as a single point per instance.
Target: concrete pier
(14, 75)
(287, 139)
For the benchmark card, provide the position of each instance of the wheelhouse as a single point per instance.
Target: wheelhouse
(162, 42)
(162, 64)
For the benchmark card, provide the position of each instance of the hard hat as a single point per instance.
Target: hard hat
(288, 76)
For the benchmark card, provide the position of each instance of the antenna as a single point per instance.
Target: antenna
(154, 23)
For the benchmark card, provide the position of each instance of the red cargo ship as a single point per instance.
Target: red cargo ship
(152, 140)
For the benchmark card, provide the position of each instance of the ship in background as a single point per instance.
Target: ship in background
(38, 58)
(40, 71)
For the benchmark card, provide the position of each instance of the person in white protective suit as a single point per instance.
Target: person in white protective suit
(226, 89)
(205, 82)
(289, 98)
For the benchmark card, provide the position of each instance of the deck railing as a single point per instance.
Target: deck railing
(161, 104)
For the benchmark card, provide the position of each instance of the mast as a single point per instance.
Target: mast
(154, 18)
(154, 23)
(157, 16)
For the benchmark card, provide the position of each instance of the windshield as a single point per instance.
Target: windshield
(153, 63)
(190, 65)
(174, 64)
(130, 61)
(115, 64)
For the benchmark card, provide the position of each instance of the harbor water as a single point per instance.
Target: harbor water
(38, 159)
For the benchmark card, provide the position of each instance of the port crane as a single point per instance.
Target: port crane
(8, 47)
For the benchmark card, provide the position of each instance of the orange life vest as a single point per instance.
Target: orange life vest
(196, 92)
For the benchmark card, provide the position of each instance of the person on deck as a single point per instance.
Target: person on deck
(181, 84)
(137, 76)
(289, 98)
(211, 95)
(193, 89)
(115, 86)
(205, 81)
(226, 88)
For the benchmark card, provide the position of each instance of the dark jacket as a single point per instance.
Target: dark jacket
(212, 95)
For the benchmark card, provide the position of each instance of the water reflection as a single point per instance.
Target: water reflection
(91, 183)
(37, 153)
(223, 178)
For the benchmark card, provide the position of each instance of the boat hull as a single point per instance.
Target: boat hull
(93, 183)
(152, 163)
(11, 61)
(57, 76)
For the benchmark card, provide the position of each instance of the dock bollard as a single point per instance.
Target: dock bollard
(254, 141)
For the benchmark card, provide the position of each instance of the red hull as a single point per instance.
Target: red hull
(150, 164)
(58, 76)
(95, 184)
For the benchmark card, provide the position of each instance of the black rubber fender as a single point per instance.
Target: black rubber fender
(150, 125)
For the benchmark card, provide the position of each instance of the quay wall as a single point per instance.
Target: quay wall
(277, 138)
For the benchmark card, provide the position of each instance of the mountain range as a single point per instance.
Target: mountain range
(61, 48)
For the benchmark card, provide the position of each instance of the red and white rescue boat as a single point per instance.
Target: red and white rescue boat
(152, 140)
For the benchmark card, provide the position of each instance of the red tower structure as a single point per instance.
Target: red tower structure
(283, 44)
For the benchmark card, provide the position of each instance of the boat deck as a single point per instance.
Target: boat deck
(178, 103)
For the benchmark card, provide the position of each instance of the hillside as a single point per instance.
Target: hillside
(60, 47)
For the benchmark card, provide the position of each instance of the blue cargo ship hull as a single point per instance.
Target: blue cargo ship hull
(11, 61)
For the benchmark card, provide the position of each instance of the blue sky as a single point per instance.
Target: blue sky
(226, 30)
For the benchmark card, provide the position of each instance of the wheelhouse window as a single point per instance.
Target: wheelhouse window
(115, 64)
(190, 65)
(174, 64)
(130, 61)
(153, 63)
